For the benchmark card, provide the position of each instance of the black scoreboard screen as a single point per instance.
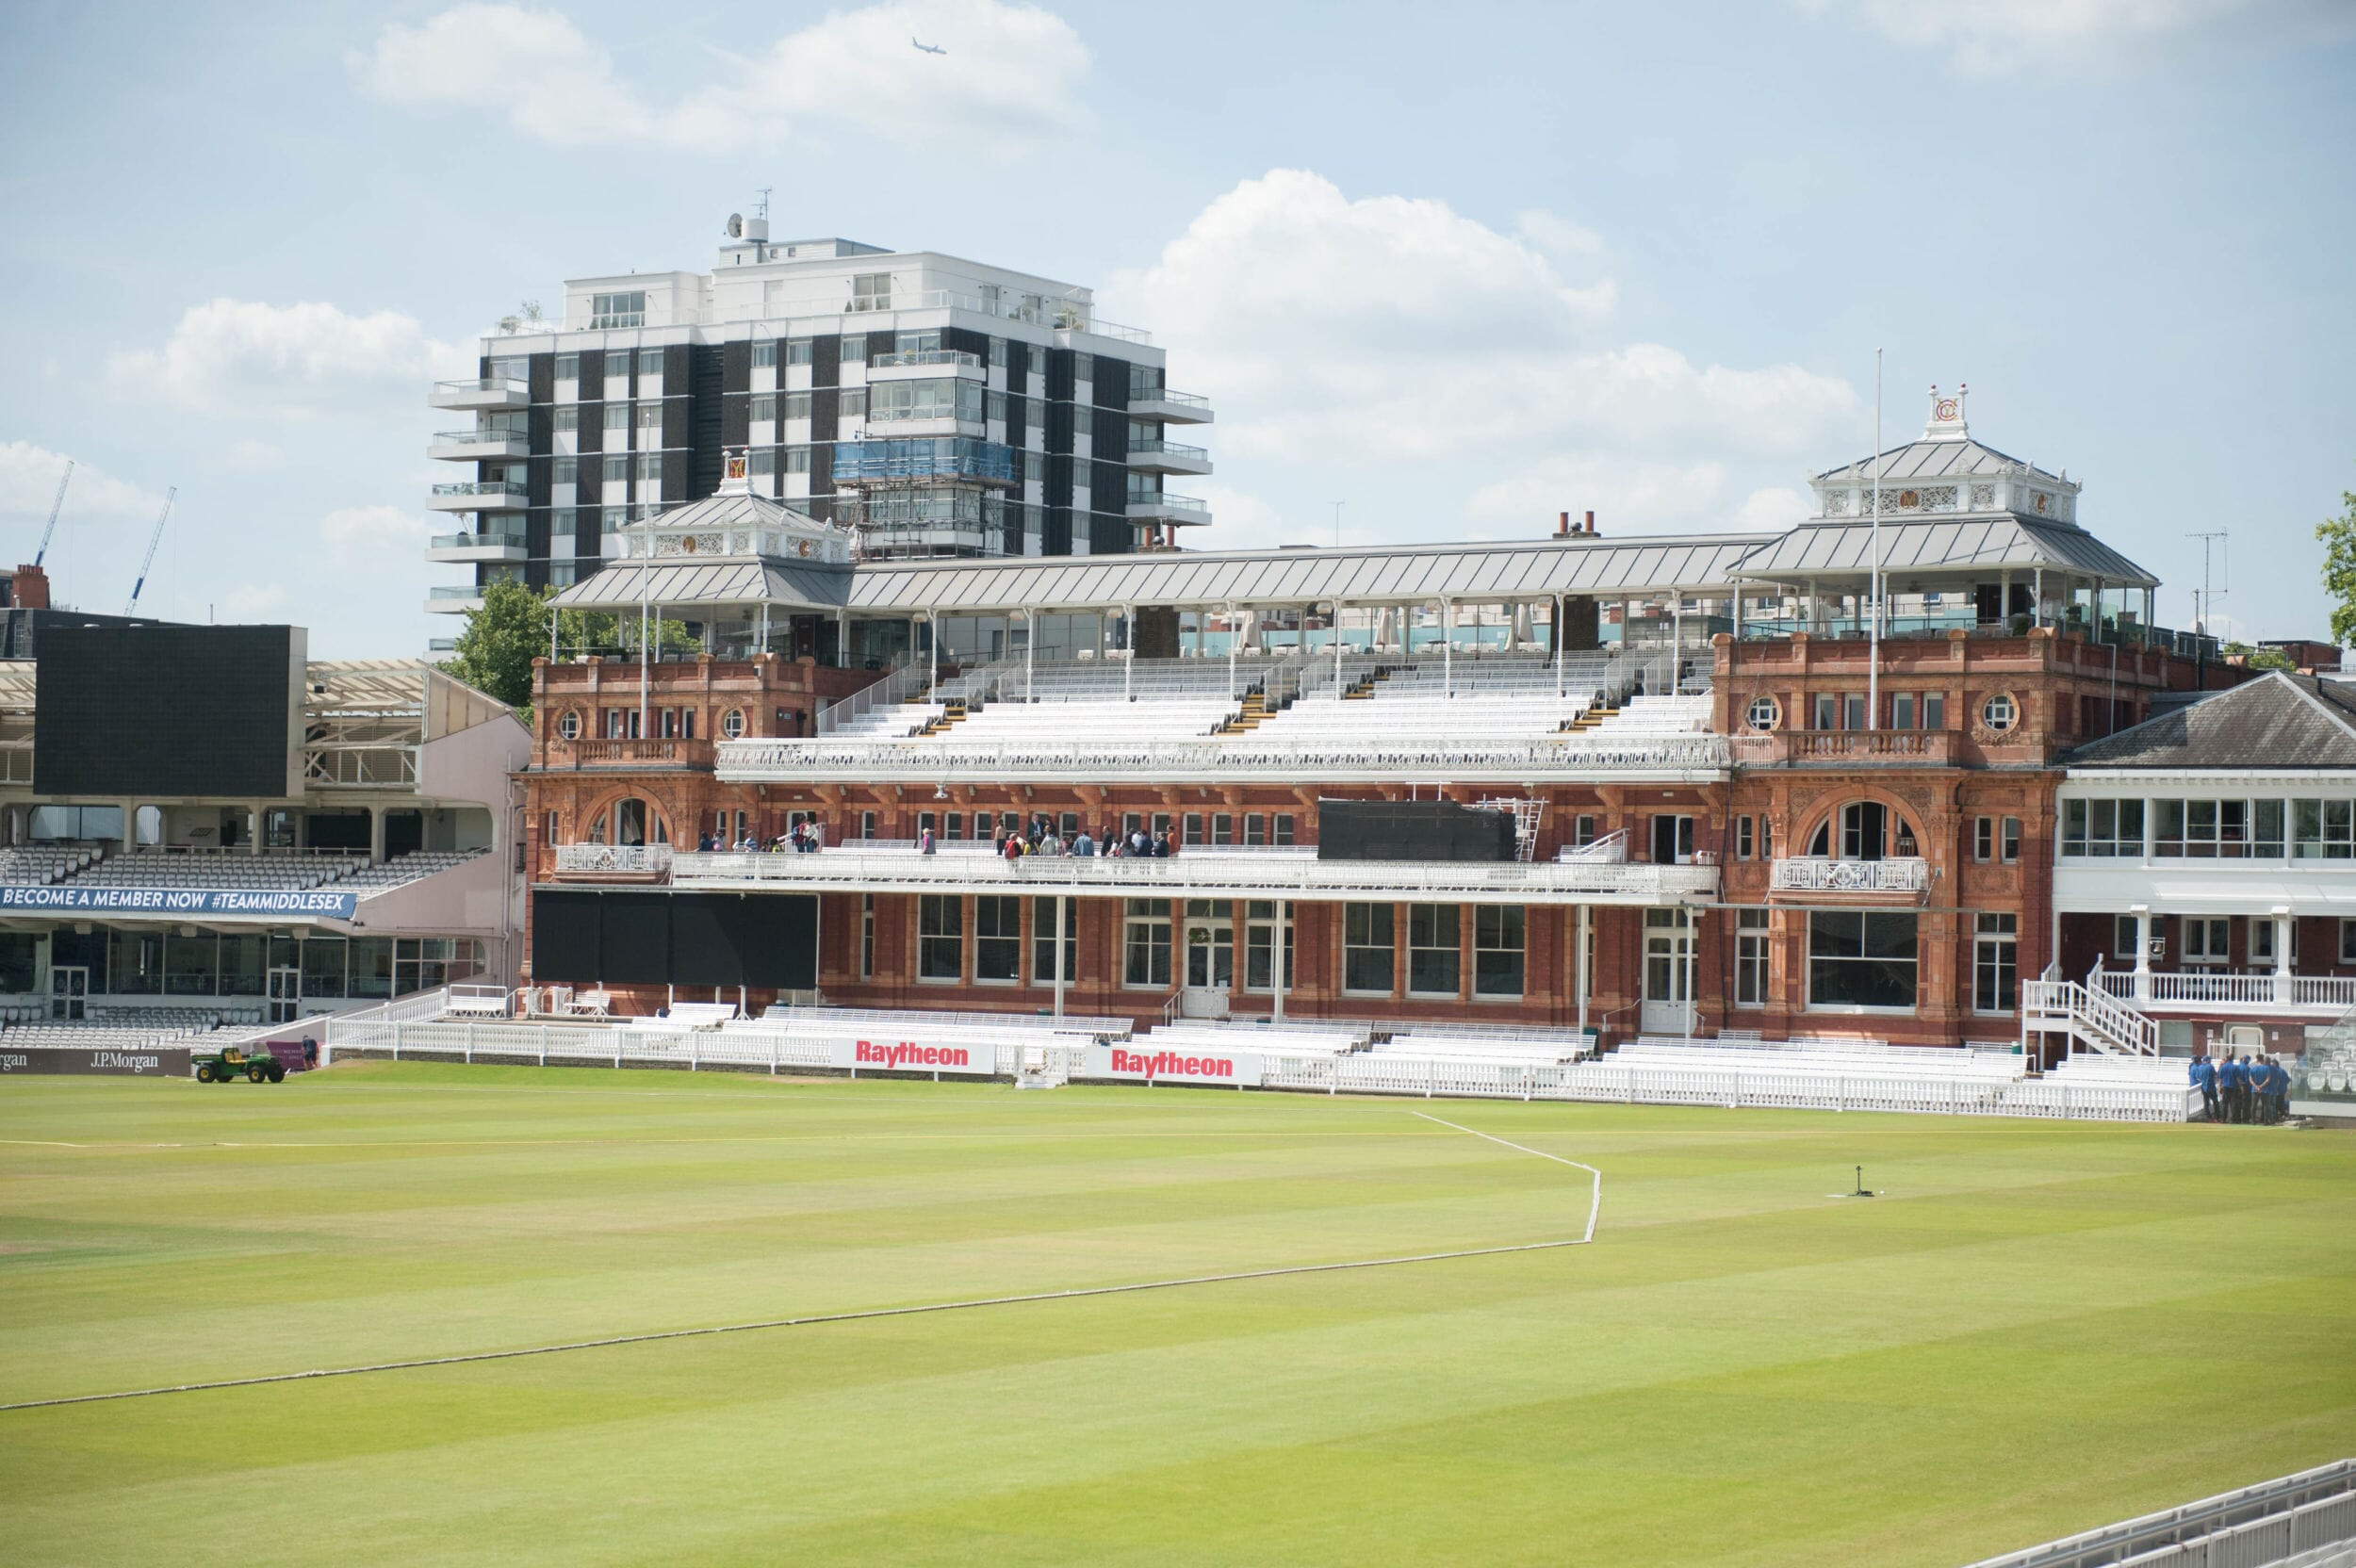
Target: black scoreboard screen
(158, 711)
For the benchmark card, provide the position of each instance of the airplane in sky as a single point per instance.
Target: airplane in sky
(927, 48)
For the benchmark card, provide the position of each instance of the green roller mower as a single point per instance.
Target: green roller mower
(230, 1062)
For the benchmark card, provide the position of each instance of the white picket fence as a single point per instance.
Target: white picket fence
(749, 1047)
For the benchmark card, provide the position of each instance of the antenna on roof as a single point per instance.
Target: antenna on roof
(763, 193)
(2206, 600)
(736, 226)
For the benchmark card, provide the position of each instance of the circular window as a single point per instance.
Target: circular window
(568, 725)
(1999, 713)
(732, 723)
(1764, 712)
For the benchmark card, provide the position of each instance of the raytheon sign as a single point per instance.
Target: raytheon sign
(909, 1057)
(1229, 1069)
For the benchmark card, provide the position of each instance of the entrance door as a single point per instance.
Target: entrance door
(1210, 958)
(69, 992)
(286, 994)
(1669, 965)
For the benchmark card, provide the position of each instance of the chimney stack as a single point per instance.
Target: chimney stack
(30, 589)
(1563, 528)
(1591, 522)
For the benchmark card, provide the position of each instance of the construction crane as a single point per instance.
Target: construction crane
(153, 540)
(50, 532)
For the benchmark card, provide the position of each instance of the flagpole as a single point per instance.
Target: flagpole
(1873, 627)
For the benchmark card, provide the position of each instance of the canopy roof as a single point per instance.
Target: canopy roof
(1949, 546)
(1945, 457)
(749, 580)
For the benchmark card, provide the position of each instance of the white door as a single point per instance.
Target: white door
(69, 992)
(1669, 962)
(286, 994)
(1210, 959)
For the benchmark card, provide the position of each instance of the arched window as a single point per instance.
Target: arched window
(1864, 830)
(636, 822)
(568, 725)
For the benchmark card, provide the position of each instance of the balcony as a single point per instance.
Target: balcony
(1166, 508)
(1907, 876)
(903, 367)
(645, 861)
(454, 601)
(1920, 748)
(1204, 760)
(479, 392)
(474, 446)
(672, 754)
(495, 545)
(1224, 872)
(2317, 997)
(1169, 457)
(1176, 408)
(488, 495)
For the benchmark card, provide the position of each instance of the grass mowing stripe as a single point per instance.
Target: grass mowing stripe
(1080, 1293)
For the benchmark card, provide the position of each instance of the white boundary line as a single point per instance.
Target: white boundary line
(1594, 1208)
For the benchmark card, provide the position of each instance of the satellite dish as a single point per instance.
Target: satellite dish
(736, 226)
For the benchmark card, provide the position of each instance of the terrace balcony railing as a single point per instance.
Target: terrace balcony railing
(1677, 758)
(613, 859)
(1822, 873)
(1211, 873)
(2189, 989)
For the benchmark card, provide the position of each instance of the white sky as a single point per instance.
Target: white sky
(1459, 268)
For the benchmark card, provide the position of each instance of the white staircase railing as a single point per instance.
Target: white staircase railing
(2087, 1015)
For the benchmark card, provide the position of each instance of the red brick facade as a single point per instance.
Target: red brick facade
(1972, 797)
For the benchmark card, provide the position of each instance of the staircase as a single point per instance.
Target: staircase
(952, 712)
(1248, 718)
(1588, 720)
(2088, 1016)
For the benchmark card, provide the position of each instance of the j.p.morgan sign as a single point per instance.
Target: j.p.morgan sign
(66, 898)
(131, 1063)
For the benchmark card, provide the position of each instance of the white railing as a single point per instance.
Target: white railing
(1609, 850)
(2214, 989)
(1686, 758)
(899, 683)
(1820, 873)
(2085, 1012)
(613, 858)
(1259, 873)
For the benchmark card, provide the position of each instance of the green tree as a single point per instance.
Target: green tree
(2339, 568)
(501, 639)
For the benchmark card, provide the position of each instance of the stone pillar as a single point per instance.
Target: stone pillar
(2143, 955)
(376, 834)
(2283, 960)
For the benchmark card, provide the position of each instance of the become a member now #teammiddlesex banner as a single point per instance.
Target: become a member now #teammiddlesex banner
(66, 898)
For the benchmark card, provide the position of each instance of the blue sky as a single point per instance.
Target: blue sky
(1459, 268)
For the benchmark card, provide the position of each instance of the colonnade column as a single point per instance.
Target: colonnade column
(2281, 958)
(2143, 955)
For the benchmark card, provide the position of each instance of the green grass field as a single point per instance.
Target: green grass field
(2040, 1328)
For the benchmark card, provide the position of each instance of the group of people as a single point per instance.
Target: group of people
(2248, 1089)
(803, 838)
(1040, 837)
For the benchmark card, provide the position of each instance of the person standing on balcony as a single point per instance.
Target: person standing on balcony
(2203, 1070)
(924, 842)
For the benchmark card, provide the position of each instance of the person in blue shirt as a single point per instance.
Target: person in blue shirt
(2229, 1084)
(2277, 1093)
(2204, 1075)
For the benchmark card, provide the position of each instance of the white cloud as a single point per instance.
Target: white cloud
(1993, 38)
(250, 456)
(1388, 335)
(28, 486)
(363, 536)
(1009, 78)
(245, 357)
(251, 601)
